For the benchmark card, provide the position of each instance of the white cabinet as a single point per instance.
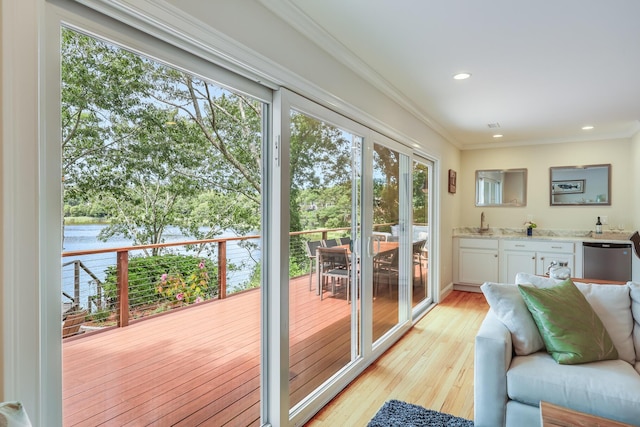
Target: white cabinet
(475, 262)
(534, 257)
(482, 259)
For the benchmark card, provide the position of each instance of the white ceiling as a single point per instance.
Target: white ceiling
(541, 69)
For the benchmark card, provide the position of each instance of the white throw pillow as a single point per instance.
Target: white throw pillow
(634, 288)
(12, 414)
(537, 281)
(612, 304)
(507, 303)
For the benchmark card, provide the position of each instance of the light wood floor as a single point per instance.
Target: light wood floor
(431, 366)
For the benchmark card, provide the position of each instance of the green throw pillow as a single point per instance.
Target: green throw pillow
(570, 329)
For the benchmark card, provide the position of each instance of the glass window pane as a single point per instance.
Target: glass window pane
(421, 233)
(386, 239)
(153, 157)
(323, 268)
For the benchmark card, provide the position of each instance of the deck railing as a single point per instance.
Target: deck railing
(123, 304)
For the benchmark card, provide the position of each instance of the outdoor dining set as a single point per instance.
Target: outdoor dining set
(333, 263)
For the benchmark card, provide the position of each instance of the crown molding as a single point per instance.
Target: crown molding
(297, 19)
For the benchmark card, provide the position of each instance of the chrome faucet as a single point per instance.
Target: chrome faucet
(482, 225)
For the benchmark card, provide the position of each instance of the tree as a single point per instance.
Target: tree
(153, 144)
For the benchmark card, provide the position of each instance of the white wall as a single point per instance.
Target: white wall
(537, 160)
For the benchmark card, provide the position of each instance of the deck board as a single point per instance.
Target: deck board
(201, 365)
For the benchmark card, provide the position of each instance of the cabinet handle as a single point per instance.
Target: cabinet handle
(541, 258)
(519, 246)
(533, 257)
(495, 256)
(556, 247)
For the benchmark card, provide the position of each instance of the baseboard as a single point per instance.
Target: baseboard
(445, 292)
(466, 288)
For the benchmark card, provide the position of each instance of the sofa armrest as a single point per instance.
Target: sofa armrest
(493, 352)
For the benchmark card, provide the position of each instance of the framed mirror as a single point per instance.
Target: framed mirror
(580, 185)
(501, 187)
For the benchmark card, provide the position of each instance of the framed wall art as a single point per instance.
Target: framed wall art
(452, 181)
(567, 187)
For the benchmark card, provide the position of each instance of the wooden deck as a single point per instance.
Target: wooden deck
(201, 365)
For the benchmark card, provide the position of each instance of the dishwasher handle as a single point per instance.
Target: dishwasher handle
(606, 245)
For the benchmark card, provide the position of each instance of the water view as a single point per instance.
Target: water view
(85, 237)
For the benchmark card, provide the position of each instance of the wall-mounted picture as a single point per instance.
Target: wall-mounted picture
(567, 187)
(452, 181)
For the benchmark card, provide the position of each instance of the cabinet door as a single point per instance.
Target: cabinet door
(545, 258)
(477, 266)
(515, 262)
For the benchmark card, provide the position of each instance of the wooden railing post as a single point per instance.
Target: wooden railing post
(222, 269)
(324, 235)
(122, 270)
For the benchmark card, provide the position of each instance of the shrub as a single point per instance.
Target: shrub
(146, 273)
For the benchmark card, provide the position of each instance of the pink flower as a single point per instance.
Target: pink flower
(180, 296)
(201, 265)
(163, 277)
(198, 299)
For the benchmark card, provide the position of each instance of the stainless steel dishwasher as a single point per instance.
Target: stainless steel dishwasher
(607, 261)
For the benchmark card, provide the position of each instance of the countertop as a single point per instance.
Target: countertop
(544, 235)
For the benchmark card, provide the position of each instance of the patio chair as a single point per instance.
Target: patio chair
(311, 248)
(334, 264)
(385, 264)
(329, 243)
(344, 240)
(418, 255)
(72, 323)
(378, 235)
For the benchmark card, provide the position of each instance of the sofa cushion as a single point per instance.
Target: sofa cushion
(571, 330)
(508, 306)
(612, 304)
(12, 414)
(634, 289)
(608, 389)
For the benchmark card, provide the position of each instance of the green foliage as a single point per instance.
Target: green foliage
(149, 146)
(100, 315)
(146, 274)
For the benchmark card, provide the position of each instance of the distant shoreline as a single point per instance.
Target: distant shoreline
(84, 220)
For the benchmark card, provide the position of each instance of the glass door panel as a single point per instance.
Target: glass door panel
(153, 174)
(421, 290)
(323, 261)
(387, 240)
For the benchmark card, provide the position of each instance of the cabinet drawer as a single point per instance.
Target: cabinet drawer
(478, 243)
(526, 245)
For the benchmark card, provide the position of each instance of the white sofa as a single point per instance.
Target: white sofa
(512, 375)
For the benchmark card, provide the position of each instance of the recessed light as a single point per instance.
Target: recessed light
(497, 135)
(587, 127)
(462, 76)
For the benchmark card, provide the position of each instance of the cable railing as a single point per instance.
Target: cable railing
(112, 287)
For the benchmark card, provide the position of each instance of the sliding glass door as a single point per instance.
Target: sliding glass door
(421, 293)
(323, 264)
(389, 241)
(307, 236)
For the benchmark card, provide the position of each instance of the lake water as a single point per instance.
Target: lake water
(85, 237)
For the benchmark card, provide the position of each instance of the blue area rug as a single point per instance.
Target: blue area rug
(395, 413)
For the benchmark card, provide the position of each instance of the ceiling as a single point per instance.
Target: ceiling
(541, 70)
